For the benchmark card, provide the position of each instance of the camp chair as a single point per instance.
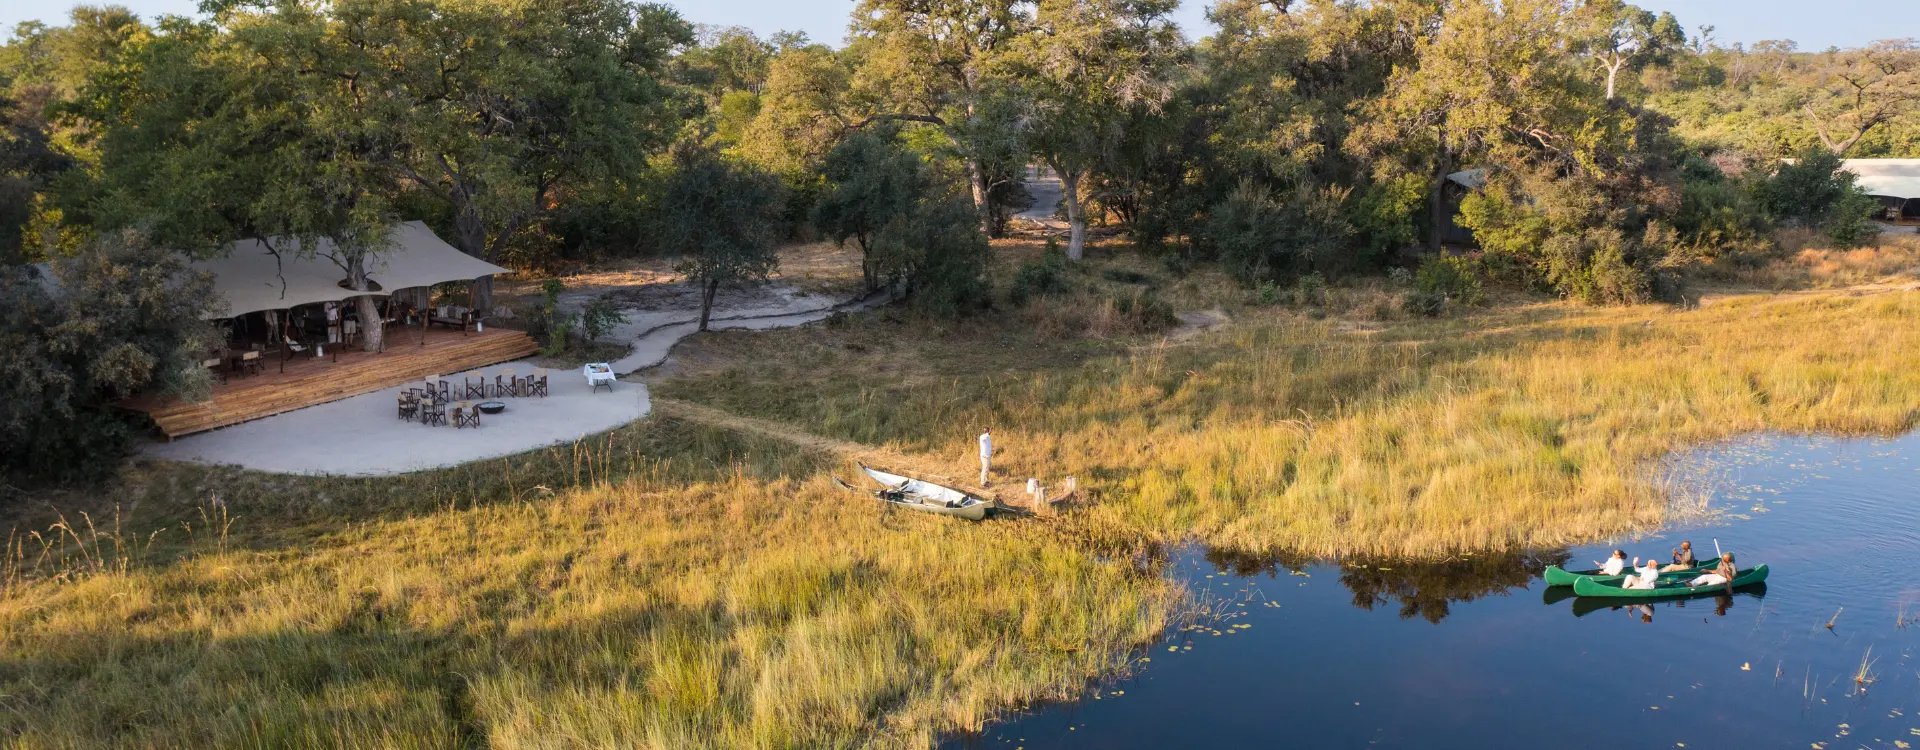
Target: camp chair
(476, 386)
(507, 383)
(466, 416)
(537, 383)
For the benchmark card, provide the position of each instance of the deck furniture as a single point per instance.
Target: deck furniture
(506, 384)
(465, 416)
(454, 316)
(537, 383)
(409, 408)
(248, 362)
(433, 413)
(476, 386)
(598, 374)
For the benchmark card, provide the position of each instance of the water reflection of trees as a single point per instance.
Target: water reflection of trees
(1419, 589)
(1428, 589)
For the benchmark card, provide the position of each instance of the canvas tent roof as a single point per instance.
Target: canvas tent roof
(1471, 179)
(1897, 178)
(251, 277)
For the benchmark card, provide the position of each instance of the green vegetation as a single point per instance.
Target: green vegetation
(125, 321)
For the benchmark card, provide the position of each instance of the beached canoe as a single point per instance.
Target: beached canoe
(926, 497)
(1558, 576)
(1665, 589)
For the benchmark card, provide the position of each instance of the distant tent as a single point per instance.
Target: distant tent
(1896, 182)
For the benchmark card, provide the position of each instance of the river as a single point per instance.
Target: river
(1481, 654)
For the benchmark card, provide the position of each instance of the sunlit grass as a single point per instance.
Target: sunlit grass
(673, 606)
(1523, 426)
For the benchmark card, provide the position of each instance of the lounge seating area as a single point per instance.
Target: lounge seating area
(387, 432)
(427, 403)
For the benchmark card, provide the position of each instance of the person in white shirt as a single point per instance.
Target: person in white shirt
(1644, 577)
(986, 455)
(1614, 565)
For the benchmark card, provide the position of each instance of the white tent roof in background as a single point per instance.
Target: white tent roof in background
(1471, 179)
(252, 277)
(1898, 178)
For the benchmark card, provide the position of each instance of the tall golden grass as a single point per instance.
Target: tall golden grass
(703, 604)
(1522, 426)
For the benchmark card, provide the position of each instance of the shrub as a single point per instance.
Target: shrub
(1442, 280)
(1043, 277)
(1310, 289)
(1813, 191)
(600, 317)
(127, 319)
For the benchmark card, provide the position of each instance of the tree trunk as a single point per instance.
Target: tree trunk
(373, 327)
(1613, 71)
(1437, 218)
(977, 182)
(706, 301)
(867, 271)
(470, 235)
(372, 331)
(1076, 217)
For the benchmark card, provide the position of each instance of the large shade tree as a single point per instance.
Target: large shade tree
(932, 61)
(1088, 65)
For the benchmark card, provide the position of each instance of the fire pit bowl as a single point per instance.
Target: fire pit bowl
(492, 407)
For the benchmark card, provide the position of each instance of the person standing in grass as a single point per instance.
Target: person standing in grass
(986, 455)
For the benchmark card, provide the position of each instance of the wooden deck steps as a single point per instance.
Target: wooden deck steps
(308, 381)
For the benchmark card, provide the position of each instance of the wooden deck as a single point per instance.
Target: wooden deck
(308, 380)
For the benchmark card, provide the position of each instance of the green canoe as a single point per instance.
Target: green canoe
(1665, 589)
(1558, 576)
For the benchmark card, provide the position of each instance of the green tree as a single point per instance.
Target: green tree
(1089, 65)
(1852, 92)
(932, 61)
(120, 318)
(871, 181)
(722, 218)
(939, 252)
(1619, 36)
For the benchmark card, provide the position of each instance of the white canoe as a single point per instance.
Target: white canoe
(926, 496)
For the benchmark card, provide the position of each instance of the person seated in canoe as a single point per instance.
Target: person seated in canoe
(1614, 565)
(1682, 558)
(1722, 573)
(1644, 576)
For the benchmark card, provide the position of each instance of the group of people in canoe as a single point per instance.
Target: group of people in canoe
(1646, 576)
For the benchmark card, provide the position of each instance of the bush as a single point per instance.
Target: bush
(1813, 191)
(600, 317)
(1442, 280)
(1040, 278)
(1132, 312)
(127, 319)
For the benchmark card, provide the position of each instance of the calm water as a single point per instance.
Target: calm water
(1483, 655)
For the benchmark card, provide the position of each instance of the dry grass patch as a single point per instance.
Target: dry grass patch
(693, 602)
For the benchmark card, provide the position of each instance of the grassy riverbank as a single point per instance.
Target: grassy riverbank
(674, 585)
(718, 593)
(1328, 431)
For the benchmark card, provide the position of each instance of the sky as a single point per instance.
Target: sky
(1815, 24)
